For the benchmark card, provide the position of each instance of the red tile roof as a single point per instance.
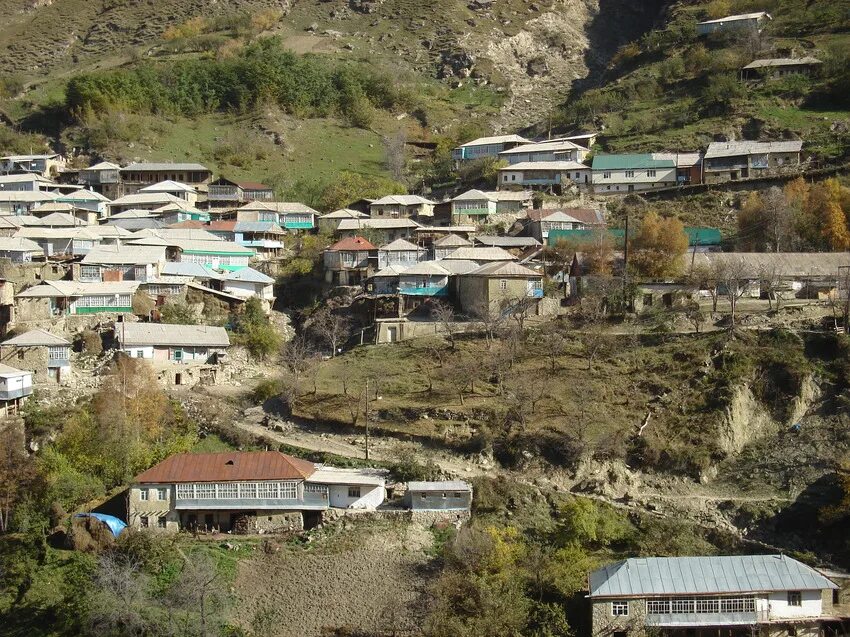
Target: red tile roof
(228, 466)
(352, 244)
(223, 226)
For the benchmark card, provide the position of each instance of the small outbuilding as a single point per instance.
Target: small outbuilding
(446, 495)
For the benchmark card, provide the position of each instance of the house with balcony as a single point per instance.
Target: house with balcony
(289, 215)
(733, 595)
(386, 229)
(400, 253)
(402, 207)
(120, 263)
(173, 213)
(497, 287)
(47, 356)
(212, 253)
(76, 298)
(542, 222)
(15, 388)
(46, 165)
(247, 492)
(484, 147)
(87, 200)
(19, 250)
(444, 246)
(137, 175)
(622, 174)
(349, 261)
(20, 202)
(475, 206)
(104, 178)
(554, 176)
(730, 161)
(224, 193)
(143, 201)
(264, 237)
(549, 150)
(61, 242)
(425, 280)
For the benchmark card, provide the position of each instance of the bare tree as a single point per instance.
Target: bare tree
(199, 590)
(780, 217)
(551, 344)
(297, 357)
(331, 328)
(444, 314)
(840, 299)
(594, 343)
(518, 309)
(395, 146)
(121, 603)
(771, 284)
(734, 278)
(490, 322)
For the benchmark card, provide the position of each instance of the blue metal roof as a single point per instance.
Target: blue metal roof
(642, 576)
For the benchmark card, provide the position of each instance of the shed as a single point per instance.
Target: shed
(445, 495)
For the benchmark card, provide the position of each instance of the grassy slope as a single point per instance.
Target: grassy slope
(644, 124)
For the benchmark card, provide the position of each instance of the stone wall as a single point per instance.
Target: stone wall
(605, 624)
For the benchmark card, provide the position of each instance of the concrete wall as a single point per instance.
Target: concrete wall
(811, 605)
(370, 496)
(153, 508)
(438, 500)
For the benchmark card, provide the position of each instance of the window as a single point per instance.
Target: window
(267, 490)
(650, 173)
(21, 354)
(185, 491)
(248, 490)
(606, 175)
(288, 490)
(160, 523)
(620, 609)
(162, 493)
(58, 353)
(457, 495)
(503, 284)
(143, 521)
(708, 605)
(353, 492)
(657, 606)
(140, 353)
(423, 496)
(795, 598)
(90, 273)
(792, 631)
(143, 495)
(228, 490)
(205, 490)
(681, 605)
(513, 177)
(630, 173)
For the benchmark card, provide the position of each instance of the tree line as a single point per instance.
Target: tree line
(262, 72)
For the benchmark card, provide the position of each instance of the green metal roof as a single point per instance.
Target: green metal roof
(697, 236)
(629, 162)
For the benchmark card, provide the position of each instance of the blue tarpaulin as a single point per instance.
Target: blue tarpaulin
(115, 525)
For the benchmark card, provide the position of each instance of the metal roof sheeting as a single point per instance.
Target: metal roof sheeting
(735, 149)
(172, 335)
(444, 485)
(740, 16)
(772, 62)
(500, 139)
(631, 162)
(35, 338)
(704, 576)
(227, 467)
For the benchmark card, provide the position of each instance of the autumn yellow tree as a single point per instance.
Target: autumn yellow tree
(658, 247)
(598, 253)
(751, 222)
(822, 222)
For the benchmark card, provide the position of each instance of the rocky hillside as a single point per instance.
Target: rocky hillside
(531, 50)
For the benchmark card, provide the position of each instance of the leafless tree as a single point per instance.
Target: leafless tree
(734, 277)
(490, 322)
(551, 343)
(395, 146)
(199, 589)
(297, 357)
(594, 343)
(840, 299)
(331, 328)
(780, 217)
(120, 604)
(771, 283)
(518, 309)
(444, 314)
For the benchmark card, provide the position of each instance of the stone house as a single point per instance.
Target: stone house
(475, 206)
(330, 221)
(444, 246)
(385, 229)
(729, 161)
(104, 178)
(179, 353)
(777, 68)
(555, 176)
(497, 287)
(347, 262)
(446, 495)
(401, 253)
(120, 263)
(735, 596)
(58, 242)
(46, 355)
(402, 207)
(257, 491)
(187, 193)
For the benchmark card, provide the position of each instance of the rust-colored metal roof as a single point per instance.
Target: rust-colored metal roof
(223, 226)
(227, 467)
(190, 224)
(352, 244)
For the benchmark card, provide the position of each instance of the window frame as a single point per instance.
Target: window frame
(354, 492)
(795, 599)
(619, 608)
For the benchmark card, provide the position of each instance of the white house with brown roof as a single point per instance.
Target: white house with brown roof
(247, 492)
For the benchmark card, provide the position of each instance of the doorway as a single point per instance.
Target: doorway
(392, 334)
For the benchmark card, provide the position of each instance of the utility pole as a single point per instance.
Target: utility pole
(367, 419)
(626, 258)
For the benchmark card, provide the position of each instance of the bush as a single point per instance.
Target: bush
(720, 93)
(90, 342)
(266, 389)
(178, 313)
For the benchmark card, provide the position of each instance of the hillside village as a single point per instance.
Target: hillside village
(534, 384)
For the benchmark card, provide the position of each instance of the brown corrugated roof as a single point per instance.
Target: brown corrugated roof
(227, 467)
(222, 226)
(352, 244)
(252, 185)
(190, 224)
